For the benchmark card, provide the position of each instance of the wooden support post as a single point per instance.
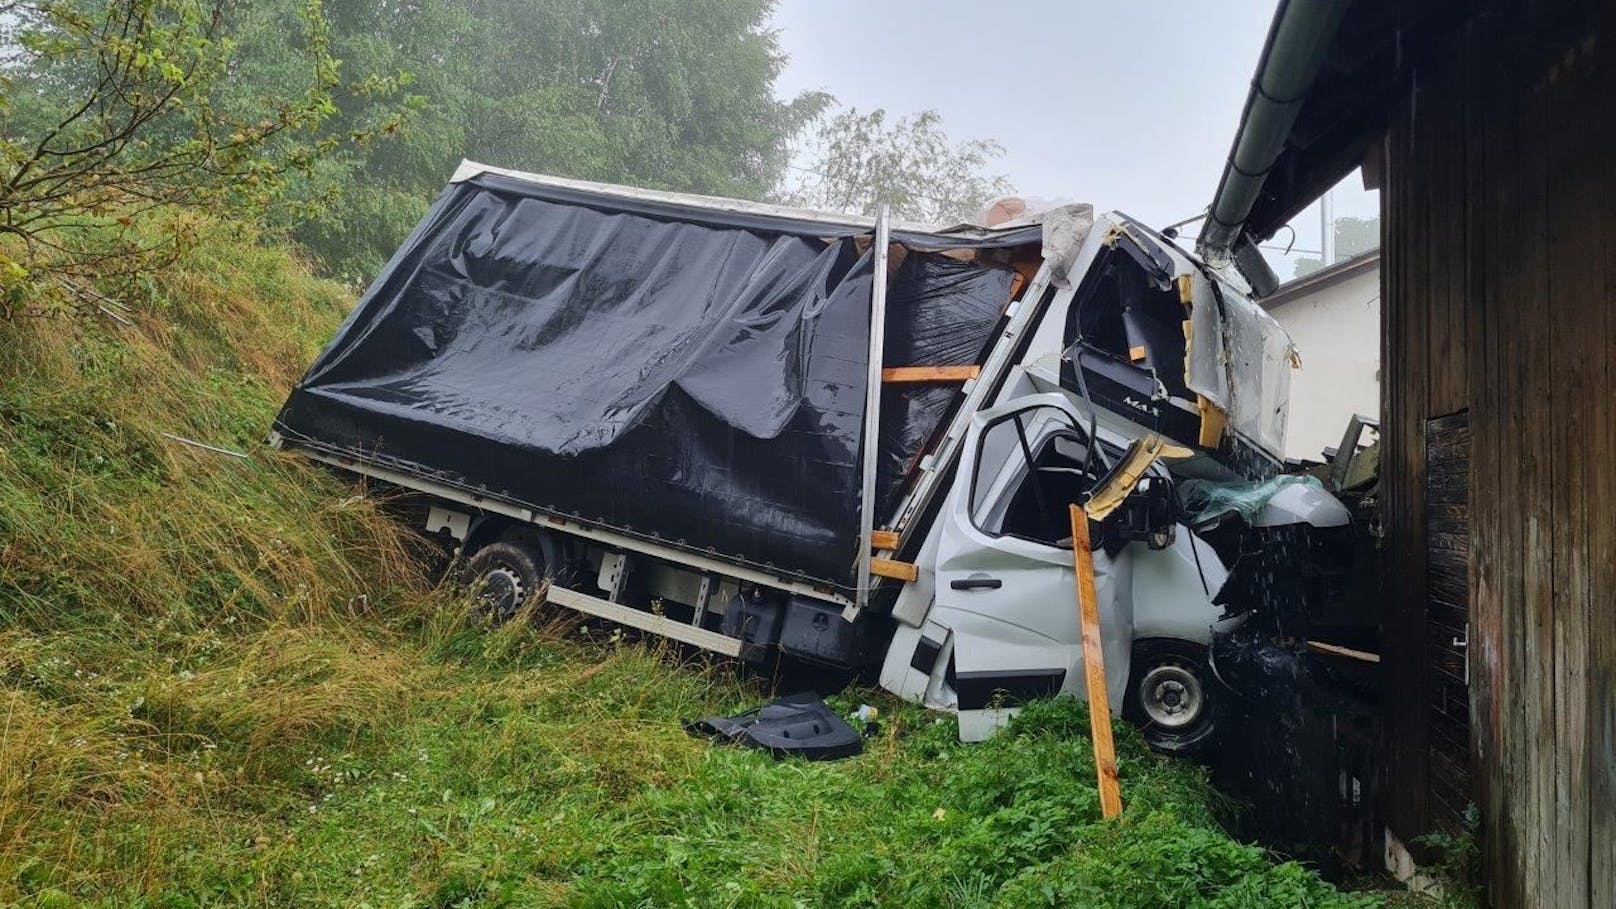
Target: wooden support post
(1088, 610)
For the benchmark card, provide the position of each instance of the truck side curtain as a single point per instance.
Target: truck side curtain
(690, 379)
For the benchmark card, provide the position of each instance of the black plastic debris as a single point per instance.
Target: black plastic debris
(797, 724)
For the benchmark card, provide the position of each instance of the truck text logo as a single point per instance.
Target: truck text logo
(1140, 406)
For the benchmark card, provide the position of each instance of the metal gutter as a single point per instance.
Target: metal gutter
(1297, 42)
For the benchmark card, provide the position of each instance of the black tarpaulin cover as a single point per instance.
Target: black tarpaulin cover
(690, 379)
(940, 312)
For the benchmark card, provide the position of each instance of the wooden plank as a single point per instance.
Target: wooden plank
(1337, 650)
(1137, 353)
(1088, 608)
(1601, 656)
(898, 374)
(1495, 568)
(1576, 267)
(1213, 421)
(884, 539)
(892, 568)
(1411, 728)
(1448, 440)
(1186, 289)
(1528, 763)
(1403, 803)
(1537, 764)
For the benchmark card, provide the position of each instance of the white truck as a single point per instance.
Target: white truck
(705, 419)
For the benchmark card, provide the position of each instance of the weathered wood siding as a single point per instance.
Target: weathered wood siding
(1499, 288)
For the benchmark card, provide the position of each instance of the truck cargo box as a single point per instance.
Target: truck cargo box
(690, 374)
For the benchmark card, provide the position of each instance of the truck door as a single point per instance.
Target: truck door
(1005, 586)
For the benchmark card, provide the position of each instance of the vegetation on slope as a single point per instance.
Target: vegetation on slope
(223, 682)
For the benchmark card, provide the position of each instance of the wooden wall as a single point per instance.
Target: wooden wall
(1499, 236)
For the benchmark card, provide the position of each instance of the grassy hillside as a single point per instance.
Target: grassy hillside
(223, 682)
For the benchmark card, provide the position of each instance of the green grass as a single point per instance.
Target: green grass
(225, 683)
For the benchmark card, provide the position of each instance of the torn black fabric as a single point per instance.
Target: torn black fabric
(940, 312)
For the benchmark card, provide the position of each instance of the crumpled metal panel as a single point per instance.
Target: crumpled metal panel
(1240, 359)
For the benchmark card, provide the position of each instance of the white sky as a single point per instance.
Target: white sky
(1128, 105)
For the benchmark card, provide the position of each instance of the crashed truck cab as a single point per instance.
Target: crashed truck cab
(1149, 345)
(768, 432)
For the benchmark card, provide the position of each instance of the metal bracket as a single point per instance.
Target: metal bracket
(614, 568)
(872, 407)
(457, 523)
(703, 595)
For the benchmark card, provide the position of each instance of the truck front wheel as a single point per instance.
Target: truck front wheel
(503, 577)
(1172, 696)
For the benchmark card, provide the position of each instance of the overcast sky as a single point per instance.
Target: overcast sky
(1129, 106)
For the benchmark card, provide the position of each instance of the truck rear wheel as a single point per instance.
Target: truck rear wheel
(1172, 696)
(503, 577)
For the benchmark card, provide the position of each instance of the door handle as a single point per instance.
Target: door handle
(1464, 644)
(976, 584)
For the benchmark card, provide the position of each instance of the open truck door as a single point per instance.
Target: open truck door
(1004, 625)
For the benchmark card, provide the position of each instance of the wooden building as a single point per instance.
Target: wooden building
(1490, 127)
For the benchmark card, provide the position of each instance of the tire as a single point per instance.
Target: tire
(503, 577)
(1173, 697)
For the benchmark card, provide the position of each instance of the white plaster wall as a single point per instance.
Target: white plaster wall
(1337, 330)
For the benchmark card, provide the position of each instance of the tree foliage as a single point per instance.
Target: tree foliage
(1353, 236)
(110, 110)
(671, 94)
(858, 161)
(114, 106)
(267, 109)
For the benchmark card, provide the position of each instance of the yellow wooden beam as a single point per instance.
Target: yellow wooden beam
(884, 539)
(1213, 421)
(930, 373)
(892, 568)
(1088, 613)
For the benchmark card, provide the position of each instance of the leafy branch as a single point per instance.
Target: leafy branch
(108, 115)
